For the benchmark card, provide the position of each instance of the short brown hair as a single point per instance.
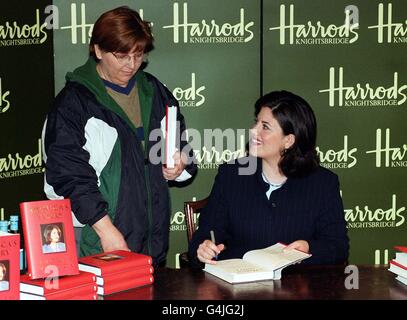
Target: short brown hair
(48, 230)
(119, 30)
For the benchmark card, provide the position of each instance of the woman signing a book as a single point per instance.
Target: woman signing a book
(288, 197)
(98, 138)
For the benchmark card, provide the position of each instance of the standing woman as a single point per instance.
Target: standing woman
(289, 198)
(97, 143)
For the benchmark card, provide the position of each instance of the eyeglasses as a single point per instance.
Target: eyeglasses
(124, 59)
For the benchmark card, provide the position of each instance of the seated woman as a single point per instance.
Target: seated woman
(289, 198)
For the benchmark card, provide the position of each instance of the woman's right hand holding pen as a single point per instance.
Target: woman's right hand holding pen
(208, 251)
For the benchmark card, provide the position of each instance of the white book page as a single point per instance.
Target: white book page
(275, 256)
(170, 139)
(236, 266)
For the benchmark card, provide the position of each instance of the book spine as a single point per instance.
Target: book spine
(73, 293)
(126, 285)
(114, 268)
(27, 240)
(68, 283)
(128, 274)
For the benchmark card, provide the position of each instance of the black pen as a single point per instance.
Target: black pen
(213, 240)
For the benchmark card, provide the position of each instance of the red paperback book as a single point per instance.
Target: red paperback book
(9, 266)
(126, 285)
(49, 238)
(69, 294)
(112, 262)
(51, 285)
(124, 275)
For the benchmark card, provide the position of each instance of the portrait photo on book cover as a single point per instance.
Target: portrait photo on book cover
(4, 275)
(52, 236)
(109, 257)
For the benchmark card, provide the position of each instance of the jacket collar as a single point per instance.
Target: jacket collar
(89, 77)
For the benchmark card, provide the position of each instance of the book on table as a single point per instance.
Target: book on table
(83, 292)
(105, 263)
(48, 286)
(398, 265)
(9, 266)
(257, 265)
(119, 270)
(49, 238)
(401, 279)
(401, 256)
(122, 276)
(125, 284)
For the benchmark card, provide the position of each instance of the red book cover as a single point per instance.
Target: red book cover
(9, 266)
(49, 238)
(126, 285)
(88, 290)
(91, 296)
(401, 248)
(51, 285)
(112, 262)
(124, 275)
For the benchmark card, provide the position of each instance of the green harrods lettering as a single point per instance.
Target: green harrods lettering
(4, 103)
(17, 162)
(13, 30)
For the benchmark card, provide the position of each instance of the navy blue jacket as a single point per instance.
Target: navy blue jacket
(308, 208)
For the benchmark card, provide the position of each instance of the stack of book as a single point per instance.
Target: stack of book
(118, 270)
(77, 287)
(9, 266)
(399, 264)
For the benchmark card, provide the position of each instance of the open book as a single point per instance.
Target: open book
(257, 265)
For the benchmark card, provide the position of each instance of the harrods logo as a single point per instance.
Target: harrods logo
(212, 152)
(209, 32)
(4, 101)
(389, 31)
(191, 96)
(80, 29)
(13, 33)
(315, 33)
(16, 165)
(394, 157)
(363, 95)
(79, 26)
(367, 217)
(178, 222)
(343, 158)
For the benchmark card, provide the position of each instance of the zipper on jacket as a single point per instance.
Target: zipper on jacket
(149, 204)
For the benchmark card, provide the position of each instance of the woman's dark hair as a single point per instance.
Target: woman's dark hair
(295, 116)
(119, 30)
(47, 232)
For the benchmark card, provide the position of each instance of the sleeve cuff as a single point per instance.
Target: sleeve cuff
(183, 176)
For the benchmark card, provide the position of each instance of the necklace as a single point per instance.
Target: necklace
(275, 185)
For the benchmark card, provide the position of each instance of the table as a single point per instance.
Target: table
(300, 282)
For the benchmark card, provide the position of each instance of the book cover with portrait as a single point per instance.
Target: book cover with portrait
(49, 238)
(105, 263)
(9, 266)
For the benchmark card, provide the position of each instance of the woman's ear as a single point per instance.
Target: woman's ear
(98, 51)
(289, 140)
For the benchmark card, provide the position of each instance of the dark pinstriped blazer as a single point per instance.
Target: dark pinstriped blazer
(308, 208)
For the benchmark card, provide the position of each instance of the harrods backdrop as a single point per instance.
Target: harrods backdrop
(217, 57)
